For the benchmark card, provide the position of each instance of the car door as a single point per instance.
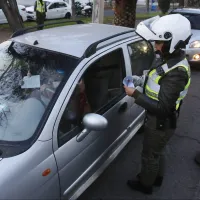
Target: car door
(62, 9)
(104, 94)
(52, 11)
(141, 56)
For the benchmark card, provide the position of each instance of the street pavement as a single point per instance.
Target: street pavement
(182, 179)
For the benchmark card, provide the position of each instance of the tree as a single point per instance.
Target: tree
(125, 13)
(73, 9)
(11, 12)
(164, 6)
(181, 3)
(194, 3)
(186, 3)
(189, 3)
(147, 4)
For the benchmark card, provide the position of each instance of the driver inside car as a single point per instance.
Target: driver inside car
(50, 80)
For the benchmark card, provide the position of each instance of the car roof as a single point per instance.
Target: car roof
(187, 10)
(73, 39)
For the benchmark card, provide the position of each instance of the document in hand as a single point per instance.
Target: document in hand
(128, 81)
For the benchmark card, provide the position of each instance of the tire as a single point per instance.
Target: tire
(68, 15)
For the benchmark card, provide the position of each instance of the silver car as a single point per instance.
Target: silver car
(193, 48)
(64, 115)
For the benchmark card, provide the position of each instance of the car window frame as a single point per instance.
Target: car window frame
(68, 96)
(55, 4)
(63, 3)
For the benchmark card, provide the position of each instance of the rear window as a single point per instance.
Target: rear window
(193, 18)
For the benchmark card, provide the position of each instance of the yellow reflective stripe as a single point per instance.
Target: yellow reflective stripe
(40, 7)
(152, 72)
(188, 84)
(154, 95)
(177, 106)
(157, 79)
(150, 93)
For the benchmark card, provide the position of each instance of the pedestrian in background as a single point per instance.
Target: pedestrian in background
(164, 88)
(40, 9)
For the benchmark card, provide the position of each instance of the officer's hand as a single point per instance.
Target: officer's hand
(129, 91)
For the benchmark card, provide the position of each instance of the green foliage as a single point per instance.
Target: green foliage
(164, 6)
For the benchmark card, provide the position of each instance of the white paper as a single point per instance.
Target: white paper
(128, 81)
(31, 82)
(131, 85)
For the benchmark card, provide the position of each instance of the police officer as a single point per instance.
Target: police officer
(164, 88)
(40, 9)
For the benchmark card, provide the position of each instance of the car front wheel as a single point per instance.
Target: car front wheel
(68, 16)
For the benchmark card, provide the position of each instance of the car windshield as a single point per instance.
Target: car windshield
(193, 18)
(30, 79)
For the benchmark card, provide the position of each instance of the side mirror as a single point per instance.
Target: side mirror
(92, 122)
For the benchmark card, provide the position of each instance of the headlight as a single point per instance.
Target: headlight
(195, 44)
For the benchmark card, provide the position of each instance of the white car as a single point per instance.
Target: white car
(22, 12)
(55, 9)
(193, 48)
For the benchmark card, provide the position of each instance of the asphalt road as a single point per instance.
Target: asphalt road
(182, 180)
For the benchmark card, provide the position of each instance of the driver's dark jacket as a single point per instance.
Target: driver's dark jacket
(170, 87)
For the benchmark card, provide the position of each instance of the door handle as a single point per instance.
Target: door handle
(123, 107)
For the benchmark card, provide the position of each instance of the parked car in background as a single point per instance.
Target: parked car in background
(55, 9)
(62, 126)
(193, 48)
(22, 12)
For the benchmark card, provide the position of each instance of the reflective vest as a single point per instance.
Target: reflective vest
(152, 86)
(40, 6)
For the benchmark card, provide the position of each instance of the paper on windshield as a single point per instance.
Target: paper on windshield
(31, 82)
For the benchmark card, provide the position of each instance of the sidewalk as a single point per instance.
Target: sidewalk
(4, 34)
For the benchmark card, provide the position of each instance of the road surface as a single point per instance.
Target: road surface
(182, 180)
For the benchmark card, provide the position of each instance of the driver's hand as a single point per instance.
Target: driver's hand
(43, 87)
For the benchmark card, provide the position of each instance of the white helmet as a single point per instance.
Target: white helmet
(175, 28)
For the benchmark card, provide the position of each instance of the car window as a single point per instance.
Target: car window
(30, 79)
(98, 90)
(62, 5)
(53, 6)
(141, 55)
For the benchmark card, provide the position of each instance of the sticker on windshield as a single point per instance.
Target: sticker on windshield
(31, 82)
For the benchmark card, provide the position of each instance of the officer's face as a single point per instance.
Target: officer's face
(158, 45)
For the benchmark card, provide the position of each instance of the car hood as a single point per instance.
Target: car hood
(21, 6)
(31, 8)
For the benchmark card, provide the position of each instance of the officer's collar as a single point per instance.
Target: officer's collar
(175, 58)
